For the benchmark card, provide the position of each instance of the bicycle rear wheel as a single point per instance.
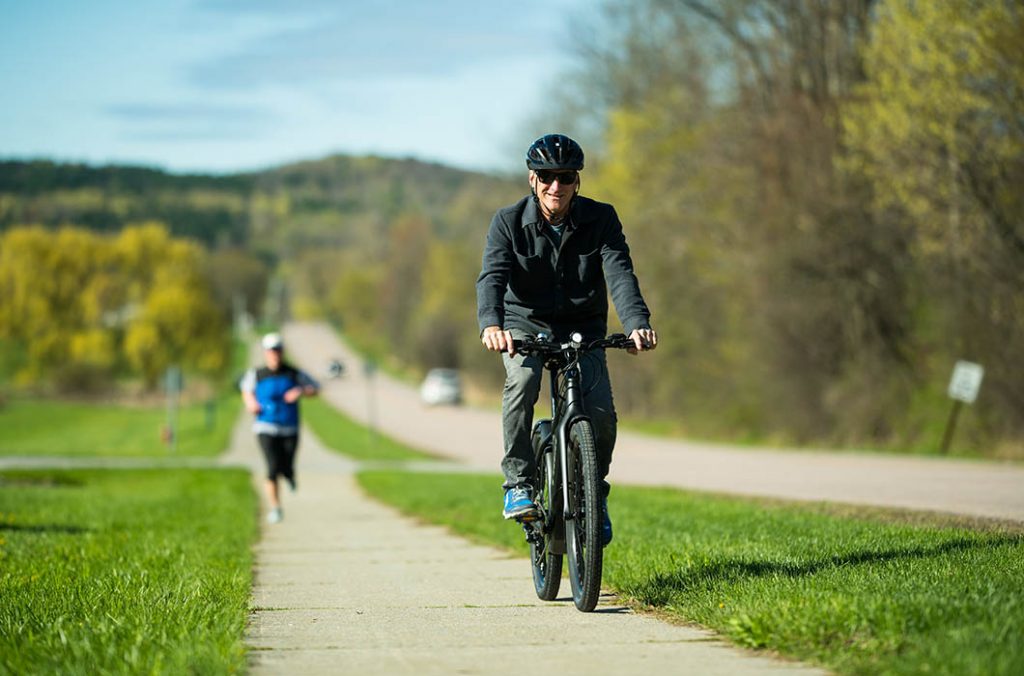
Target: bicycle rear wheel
(547, 566)
(583, 522)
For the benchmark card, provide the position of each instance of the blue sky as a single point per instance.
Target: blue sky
(225, 85)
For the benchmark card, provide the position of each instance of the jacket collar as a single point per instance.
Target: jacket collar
(532, 215)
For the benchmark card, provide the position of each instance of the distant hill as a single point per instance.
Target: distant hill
(388, 248)
(334, 201)
(207, 208)
(344, 201)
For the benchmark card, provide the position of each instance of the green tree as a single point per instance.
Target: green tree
(239, 279)
(938, 132)
(84, 306)
(445, 318)
(177, 321)
(774, 285)
(45, 278)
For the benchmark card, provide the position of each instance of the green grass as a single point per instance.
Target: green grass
(51, 427)
(125, 572)
(340, 433)
(860, 591)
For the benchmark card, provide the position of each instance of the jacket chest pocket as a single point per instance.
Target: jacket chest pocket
(588, 268)
(532, 275)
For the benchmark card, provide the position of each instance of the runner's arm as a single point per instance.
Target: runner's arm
(248, 388)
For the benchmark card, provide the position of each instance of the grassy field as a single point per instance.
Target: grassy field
(51, 427)
(340, 433)
(125, 572)
(859, 591)
(56, 427)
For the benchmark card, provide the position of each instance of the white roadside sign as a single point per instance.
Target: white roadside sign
(966, 381)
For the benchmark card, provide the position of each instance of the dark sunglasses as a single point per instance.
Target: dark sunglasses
(564, 177)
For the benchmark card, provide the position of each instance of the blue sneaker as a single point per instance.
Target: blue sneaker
(606, 523)
(518, 503)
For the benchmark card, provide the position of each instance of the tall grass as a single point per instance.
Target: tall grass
(125, 572)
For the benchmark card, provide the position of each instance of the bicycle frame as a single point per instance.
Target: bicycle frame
(571, 410)
(566, 409)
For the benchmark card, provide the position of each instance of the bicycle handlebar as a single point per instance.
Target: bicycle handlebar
(542, 347)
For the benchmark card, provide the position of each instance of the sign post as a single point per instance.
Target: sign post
(963, 389)
(370, 370)
(173, 383)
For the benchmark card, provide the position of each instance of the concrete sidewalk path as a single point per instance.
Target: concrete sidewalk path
(972, 488)
(347, 585)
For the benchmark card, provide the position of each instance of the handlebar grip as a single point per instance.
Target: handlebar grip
(620, 340)
(522, 345)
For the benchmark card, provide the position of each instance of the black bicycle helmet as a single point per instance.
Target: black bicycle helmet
(555, 151)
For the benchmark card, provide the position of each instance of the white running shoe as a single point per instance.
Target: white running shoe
(275, 515)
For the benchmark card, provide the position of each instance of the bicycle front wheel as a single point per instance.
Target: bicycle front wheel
(583, 522)
(547, 566)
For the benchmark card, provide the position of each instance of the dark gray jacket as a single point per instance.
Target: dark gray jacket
(527, 283)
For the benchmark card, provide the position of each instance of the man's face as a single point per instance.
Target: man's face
(555, 189)
(273, 359)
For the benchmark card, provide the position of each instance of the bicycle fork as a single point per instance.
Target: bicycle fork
(556, 433)
(572, 412)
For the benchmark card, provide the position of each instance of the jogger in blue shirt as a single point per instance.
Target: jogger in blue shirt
(272, 394)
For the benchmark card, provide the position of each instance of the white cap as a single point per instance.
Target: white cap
(272, 341)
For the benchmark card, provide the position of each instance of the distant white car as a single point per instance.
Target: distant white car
(441, 386)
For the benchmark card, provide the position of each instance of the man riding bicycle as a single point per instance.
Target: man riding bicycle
(549, 262)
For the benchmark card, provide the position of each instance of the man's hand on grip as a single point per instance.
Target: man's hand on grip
(496, 339)
(643, 339)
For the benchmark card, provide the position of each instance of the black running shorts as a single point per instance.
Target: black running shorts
(279, 452)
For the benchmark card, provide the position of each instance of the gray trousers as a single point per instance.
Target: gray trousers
(523, 378)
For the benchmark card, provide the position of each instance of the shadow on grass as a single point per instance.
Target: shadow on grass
(43, 528)
(38, 479)
(659, 589)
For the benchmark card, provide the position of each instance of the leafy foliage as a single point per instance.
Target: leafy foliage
(822, 202)
(83, 305)
(938, 133)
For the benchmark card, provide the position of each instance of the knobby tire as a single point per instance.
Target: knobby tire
(583, 530)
